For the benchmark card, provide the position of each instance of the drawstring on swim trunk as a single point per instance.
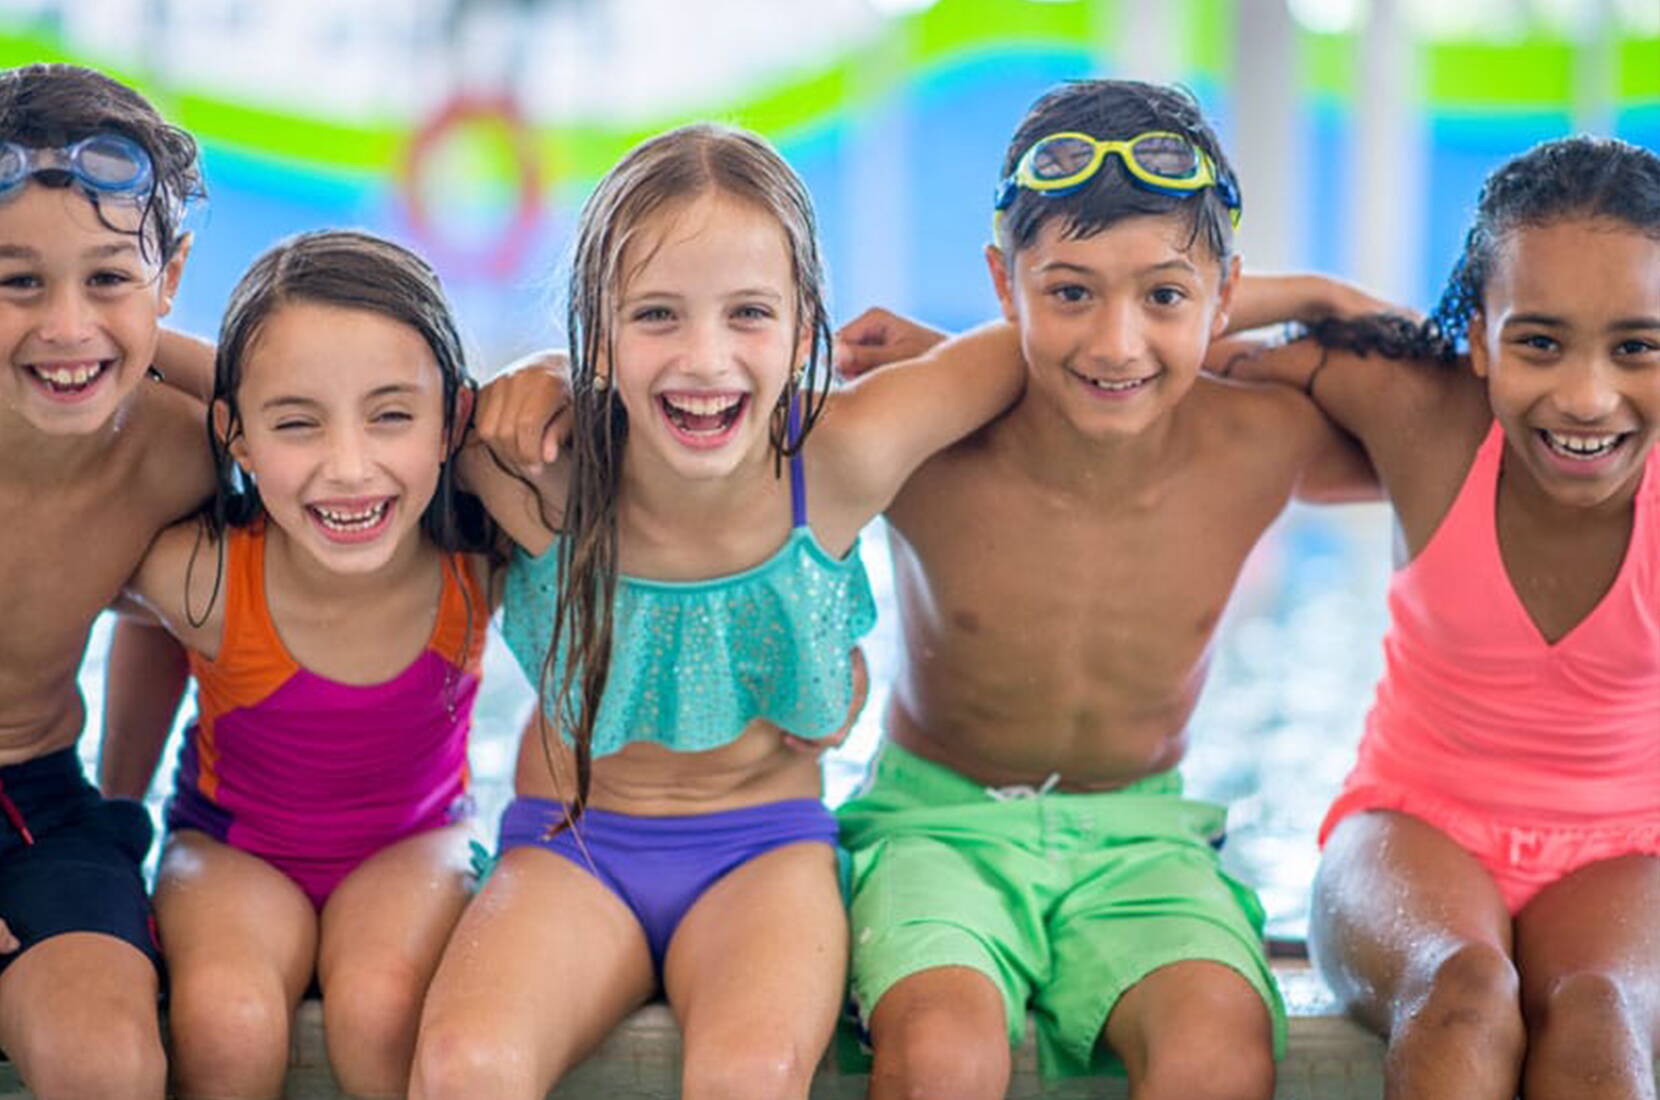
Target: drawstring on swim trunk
(1024, 790)
(15, 816)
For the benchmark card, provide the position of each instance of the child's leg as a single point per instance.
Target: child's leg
(1412, 935)
(1590, 966)
(383, 929)
(240, 939)
(1195, 1031)
(756, 973)
(543, 964)
(78, 1017)
(942, 1032)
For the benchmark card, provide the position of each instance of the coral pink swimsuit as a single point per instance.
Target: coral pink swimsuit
(1538, 758)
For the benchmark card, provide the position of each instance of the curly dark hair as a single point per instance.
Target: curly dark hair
(48, 105)
(1572, 177)
(1107, 110)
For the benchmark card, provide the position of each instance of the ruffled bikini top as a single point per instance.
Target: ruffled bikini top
(694, 662)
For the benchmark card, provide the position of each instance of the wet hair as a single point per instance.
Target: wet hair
(49, 105)
(659, 175)
(1578, 177)
(352, 270)
(1115, 110)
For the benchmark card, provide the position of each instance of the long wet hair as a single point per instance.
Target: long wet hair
(657, 175)
(1569, 178)
(50, 105)
(1116, 110)
(352, 270)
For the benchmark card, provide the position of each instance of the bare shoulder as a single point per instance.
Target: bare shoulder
(173, 463)
(181, 581)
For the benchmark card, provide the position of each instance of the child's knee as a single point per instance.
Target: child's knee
(370, 1011)
(746, 1067)
(126, 1060)
(1473, 986)
(461, 1062)
(225, 1017)
(935, 1051)
(1586, 1026)
(1210, 1072)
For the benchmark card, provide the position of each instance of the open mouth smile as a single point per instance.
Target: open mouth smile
(69, 380)
(703, 420)
(1114, 388)
(351, 520)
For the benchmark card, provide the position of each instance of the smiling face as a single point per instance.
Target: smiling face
(78, 307)
(704, 334)
(342, 429)
(1568, 341)
(1114, 326)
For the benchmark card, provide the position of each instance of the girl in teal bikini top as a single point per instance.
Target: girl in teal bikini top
(693, 662)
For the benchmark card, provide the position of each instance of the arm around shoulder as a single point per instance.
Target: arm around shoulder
(887, 423)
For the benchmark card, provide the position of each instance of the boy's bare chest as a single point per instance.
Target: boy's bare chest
(64, 556)
(1140, 579)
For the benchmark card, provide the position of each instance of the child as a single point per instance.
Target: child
(94, 460)
(335, 632)
(1501, 933)
(1023, 838)
(695, 548)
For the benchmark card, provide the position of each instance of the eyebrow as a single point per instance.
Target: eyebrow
(391, 389)
(671, 296)
(1065, 265)
(1546, 320)
(99, 252)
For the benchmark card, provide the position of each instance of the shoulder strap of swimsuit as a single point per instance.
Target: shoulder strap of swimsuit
(798, 472)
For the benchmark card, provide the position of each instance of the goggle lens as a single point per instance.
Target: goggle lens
(112, 163)
(1058, 158)
(1167, 156)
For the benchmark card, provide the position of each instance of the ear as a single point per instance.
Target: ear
(171, 273)
(1224, 297)
(1479, 360)
(1002, 281)
(223, 428)
(465, 399)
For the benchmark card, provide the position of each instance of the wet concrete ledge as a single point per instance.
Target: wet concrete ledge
(1330, 1058)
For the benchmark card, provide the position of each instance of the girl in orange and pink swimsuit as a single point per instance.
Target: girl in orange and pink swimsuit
(1490, 883)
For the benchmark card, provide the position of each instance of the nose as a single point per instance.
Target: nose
(347, 462)
(707, 350)
(1586, 389)
(1116, 337)
(66, 318)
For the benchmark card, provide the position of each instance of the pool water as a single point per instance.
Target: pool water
(1291, 678)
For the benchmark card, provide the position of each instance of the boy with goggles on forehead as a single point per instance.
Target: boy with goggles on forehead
(94, 461)
(1023, 840)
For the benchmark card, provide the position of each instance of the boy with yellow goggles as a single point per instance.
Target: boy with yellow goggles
(1158, 160)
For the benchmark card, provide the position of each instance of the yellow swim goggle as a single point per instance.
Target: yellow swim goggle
(1159, 161)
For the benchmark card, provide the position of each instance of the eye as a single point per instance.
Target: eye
(293, 424)
(110, 279)
(1168, 295)
(1537, 341)
(753, 312)
(1069, 293)
(392, 416)
(650, 315)
(21, 280)
(1634, 347)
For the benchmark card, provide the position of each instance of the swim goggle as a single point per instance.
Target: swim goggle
(1159, 161)
(103, 164)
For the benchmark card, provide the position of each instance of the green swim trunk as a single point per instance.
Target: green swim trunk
(1064, 901)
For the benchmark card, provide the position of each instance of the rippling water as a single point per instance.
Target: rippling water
(1292, 676)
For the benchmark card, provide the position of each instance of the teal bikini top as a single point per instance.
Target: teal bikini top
(693, 662)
